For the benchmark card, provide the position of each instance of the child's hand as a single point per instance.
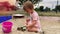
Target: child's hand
(29, 25)
(26, 23)
(27, 20)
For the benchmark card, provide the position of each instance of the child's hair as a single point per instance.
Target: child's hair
(28, 4)
(17, 0)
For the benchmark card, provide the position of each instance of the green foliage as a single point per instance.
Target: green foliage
(41, 8)
(33, 1)
(37, 9)
(47, 9)
(57, 8)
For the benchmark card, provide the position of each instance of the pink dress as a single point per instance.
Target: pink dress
(34, 16)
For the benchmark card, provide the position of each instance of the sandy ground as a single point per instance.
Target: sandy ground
(50, 25)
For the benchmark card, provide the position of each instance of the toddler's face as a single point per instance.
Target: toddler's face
(27, 10)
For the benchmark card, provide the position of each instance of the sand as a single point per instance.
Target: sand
(50, 25)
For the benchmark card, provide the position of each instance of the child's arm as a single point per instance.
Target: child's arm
(33, 23)
(27, 20)
(34, 19)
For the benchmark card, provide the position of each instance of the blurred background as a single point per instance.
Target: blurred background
(43, 7)
(48, 10)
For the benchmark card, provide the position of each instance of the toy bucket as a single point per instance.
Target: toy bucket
(7, 27)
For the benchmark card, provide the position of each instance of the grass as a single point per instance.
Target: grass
(41, 13)
(49, 14)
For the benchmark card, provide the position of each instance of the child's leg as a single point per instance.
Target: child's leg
(33, 29)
